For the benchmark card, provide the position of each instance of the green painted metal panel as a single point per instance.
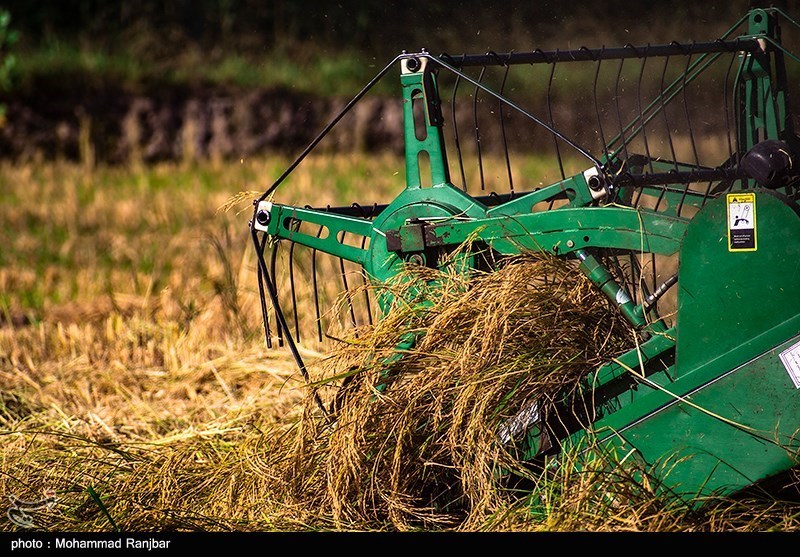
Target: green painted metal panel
(568, 230)
(725, 297)
(733, 430)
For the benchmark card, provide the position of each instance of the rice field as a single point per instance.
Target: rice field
(137, 392)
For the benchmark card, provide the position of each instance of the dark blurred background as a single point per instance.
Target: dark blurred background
(135, 79)
(380, 29)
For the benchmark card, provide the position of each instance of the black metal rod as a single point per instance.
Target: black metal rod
(282, 325)
(595, 54)
(273, 263)
(503, 132)
(293, 289)
(364, 281)
(477, 129)
(686, 177)
(315, 287)
(551, 122)
(264, 312)
(310, 147)
(456, 137)
(595, 162)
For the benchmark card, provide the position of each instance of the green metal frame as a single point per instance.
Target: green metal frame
(722, 381)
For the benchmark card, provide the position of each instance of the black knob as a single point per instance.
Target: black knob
(769, 163)
(262, 217)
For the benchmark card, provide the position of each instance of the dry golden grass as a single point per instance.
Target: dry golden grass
(135, 383)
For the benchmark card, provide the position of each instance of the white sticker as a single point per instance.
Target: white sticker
(791, 361)
(742, 233)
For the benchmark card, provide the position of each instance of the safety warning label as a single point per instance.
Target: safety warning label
(790, 358)
(742, 222)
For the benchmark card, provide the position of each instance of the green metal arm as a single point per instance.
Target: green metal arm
(575, 189)
(283, 221)
(559, 232)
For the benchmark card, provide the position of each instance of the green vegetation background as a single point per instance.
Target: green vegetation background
(318, 46)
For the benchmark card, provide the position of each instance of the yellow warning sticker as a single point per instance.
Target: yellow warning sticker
(742, 231)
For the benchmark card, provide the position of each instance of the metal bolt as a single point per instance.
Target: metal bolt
(417, 259)
(412, 64)
(262, 217)
(570, 244)
(595, 184)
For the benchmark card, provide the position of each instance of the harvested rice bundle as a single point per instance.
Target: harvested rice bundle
(419, 431)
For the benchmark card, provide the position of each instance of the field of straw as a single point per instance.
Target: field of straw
(137, 392)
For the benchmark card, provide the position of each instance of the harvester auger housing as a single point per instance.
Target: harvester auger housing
(710, 388)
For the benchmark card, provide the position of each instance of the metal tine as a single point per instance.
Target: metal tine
(264, 312)
(315, 287)
(456, 137)
(347, 292)
(596, 105)
(292, 288)
(728, 108)
(281, 324)
(636, 271)
(365, 288)
(552, 124)
(641, 111)
(502, 120)
(550, 115)
(702, 63)
(477, 128)
(636, 277)
(272, 265)
(622, 139)
(679, 210)
(643, 129)
(733, 154)
(684, 87)
(664, 112)
(739, 147)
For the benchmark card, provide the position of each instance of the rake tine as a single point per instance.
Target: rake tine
(731, 153)
(477, 128)
(686, 111)
(315, 287)
(503, 126)
(264, 313)
(551, 122)
(281, 319)
(641, 111)
(597, 106)
(293, 292)
(272, 264)
(691, 133)
(363, 214)
(347, 292)
(661, 95)
(623, 141)
(456, 137)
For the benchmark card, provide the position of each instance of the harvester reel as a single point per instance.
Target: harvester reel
(697, 251)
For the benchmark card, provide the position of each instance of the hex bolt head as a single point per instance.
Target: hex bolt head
(262, 217)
